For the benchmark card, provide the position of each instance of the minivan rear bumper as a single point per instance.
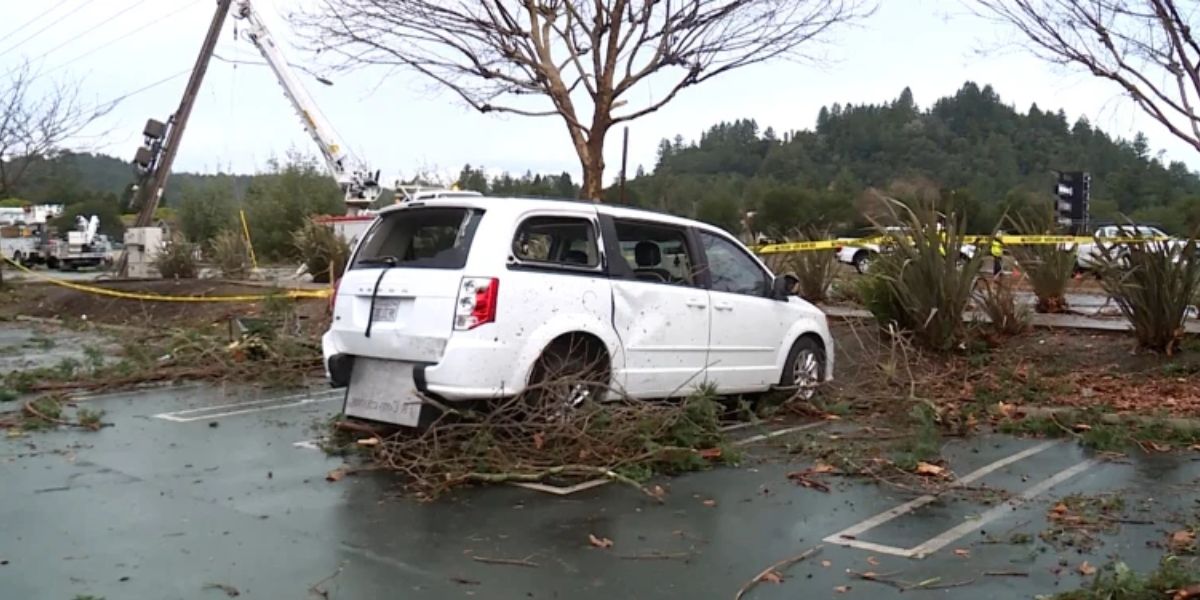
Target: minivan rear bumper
(469, 369)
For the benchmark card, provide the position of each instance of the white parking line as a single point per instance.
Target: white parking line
(241, 408)
(777, 433)
(848, 536)
(998, 511)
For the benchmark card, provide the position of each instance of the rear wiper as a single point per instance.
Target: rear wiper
(387, 261)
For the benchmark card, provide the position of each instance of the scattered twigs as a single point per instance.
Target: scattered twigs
(552, 433)
(516, 562)
(783, 564)
(932, 583)
(1005, 574)
(574, 470)
(657, 555)
(317, 590)
(32, 411)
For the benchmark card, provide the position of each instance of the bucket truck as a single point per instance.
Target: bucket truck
(358, 182)
(82, 247)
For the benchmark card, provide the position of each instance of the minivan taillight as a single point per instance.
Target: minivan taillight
(333, 297)
(476, 302)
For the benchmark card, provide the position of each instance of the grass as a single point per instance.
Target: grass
(1095, 431)
(1116, 581)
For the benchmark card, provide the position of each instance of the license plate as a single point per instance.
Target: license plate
(385, 310)
(383, 390)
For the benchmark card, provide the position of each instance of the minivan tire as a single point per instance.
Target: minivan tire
(584, 377)
(804, 369)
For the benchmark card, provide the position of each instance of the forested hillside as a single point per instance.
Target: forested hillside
(970, 150)
(971, 147)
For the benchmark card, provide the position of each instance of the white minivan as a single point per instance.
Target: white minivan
(472, 298)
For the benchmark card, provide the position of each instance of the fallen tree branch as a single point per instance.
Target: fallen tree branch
(516, 562)
(657, 555)
(34, 412)
(535, 476)
(783, 564)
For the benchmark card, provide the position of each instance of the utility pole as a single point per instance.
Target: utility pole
(624, 162)
(151, 192)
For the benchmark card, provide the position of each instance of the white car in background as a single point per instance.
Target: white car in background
(470, 298)
(1089, 255)
(860, 256)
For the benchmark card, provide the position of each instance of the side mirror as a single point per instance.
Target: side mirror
(782, 287)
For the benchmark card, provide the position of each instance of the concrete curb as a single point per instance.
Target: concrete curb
(1187, 423)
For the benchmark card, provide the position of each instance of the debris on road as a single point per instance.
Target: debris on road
(774, 573)
(229, 590)
(599, 542)
(516, 562)
(518, 441)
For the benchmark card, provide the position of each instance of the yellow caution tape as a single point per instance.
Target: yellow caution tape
(1008, 240)
(286, 293)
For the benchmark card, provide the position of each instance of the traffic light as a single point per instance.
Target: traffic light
(1072, 193)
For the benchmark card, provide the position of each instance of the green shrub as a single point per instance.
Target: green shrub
(922, 283)
(177, 259)
(1116, 581)
(997, 300)
(815, 270)
(321, 248)
(1048, 267)
(1153, 284)
(231, 254)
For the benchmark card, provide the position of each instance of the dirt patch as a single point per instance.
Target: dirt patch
(1043, 367)
(52, 301)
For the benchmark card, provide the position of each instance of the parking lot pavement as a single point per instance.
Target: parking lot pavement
(195, 486)
(25, 346)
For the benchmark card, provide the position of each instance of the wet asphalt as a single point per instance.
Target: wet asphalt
(195, 487)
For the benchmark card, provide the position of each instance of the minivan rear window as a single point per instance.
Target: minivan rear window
(429, 238)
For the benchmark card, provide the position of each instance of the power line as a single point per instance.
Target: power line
(122, 37)
(115, 101)
(94, 27)
(38, 32)
(35, 19)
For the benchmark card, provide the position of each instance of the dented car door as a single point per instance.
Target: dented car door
(659, 313)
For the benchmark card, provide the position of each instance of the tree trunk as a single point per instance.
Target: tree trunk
(593, 166)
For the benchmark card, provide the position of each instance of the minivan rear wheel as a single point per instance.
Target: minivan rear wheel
(805, 367)
(566, 376)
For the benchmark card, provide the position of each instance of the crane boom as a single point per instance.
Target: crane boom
(360, 185)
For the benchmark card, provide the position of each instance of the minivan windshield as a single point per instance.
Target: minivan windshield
(430, 238)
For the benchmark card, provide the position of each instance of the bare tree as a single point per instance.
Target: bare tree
(1147, 47)
(36, 121)
(579, 60)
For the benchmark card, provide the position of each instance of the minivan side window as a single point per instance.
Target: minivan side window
(564, 241)
(731, 268)
(655, 253)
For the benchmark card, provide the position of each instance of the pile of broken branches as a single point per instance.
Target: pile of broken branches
(517, 440)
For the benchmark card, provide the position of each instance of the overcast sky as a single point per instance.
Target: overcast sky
(401, 124)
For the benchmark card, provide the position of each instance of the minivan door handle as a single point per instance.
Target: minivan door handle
(696, 303)
(723, 306)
